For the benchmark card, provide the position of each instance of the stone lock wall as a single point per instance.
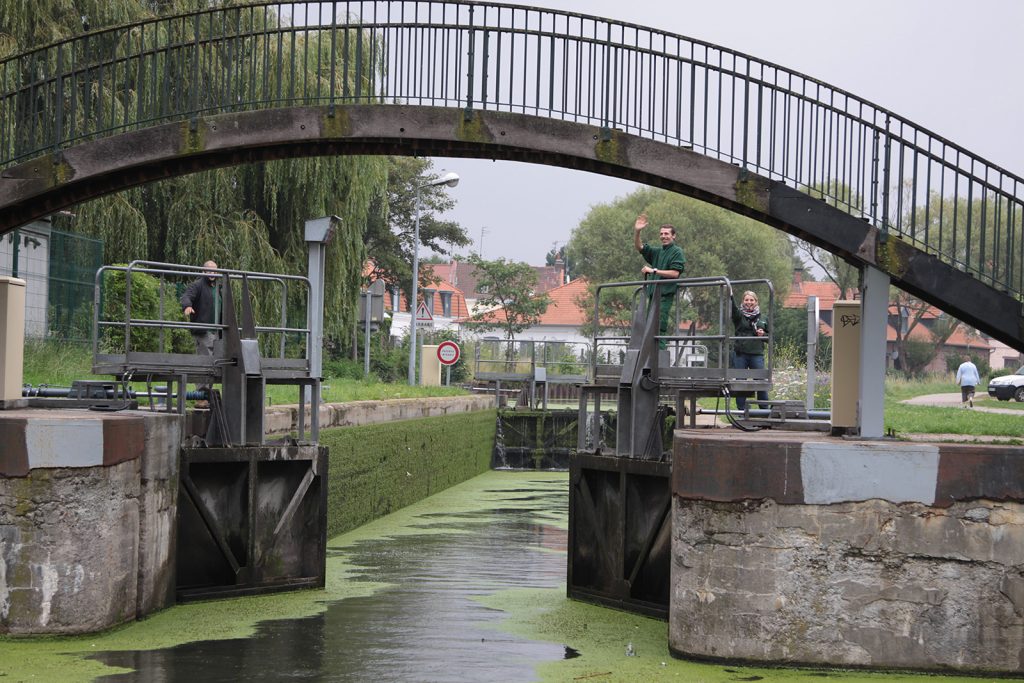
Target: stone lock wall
(285, 418)
(89, 502)
(87, 519)
(870, 554)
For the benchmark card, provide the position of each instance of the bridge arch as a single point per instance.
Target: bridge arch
(109, 109)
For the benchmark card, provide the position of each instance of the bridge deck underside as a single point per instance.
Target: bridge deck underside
(92, 169)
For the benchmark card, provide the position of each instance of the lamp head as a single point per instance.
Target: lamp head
(450, 179)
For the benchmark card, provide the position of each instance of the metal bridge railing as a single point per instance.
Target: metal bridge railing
(871, 162)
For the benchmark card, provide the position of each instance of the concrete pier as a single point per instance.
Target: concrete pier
(88, 505)
(93, 504)
(801, 549)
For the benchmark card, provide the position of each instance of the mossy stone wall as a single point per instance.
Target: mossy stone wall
(380, 468)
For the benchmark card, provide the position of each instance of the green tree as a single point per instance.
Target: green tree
(246, 217)
(790, 332)
(844, 275)
(975, 231)
(508, 299)
(961, 229)
(391, 223)
(912, 357)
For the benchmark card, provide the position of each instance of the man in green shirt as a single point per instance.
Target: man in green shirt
(664, 263)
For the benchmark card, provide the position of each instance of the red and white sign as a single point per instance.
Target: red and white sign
(448, 353)
(424, 318)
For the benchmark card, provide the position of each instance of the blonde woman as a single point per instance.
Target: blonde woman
(748, 354)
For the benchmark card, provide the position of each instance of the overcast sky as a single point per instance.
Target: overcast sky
(951, 66)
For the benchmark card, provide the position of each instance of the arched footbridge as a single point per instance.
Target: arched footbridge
(115, 108)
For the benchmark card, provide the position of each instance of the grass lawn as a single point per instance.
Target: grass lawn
(910, 419)
(986, 401)
(344, 390)
(907, 419)
(57, 364)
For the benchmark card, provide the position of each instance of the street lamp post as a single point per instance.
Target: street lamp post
(451, 180)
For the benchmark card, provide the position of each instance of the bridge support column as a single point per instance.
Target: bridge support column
(874, 288)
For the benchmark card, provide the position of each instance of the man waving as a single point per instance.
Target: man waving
(664, 263)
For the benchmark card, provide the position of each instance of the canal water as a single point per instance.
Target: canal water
(423, 622)
(468, 585)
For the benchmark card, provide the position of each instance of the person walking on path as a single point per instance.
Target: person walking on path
(748, 354)
(967, 377)
(666, 263)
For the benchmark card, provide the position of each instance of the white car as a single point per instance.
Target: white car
(1008, 386)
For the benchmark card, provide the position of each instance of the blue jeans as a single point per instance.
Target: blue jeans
(748, 361)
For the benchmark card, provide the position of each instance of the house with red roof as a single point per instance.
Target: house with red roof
(445, 302)
(463, 276)
(827, 292)
(562, 319)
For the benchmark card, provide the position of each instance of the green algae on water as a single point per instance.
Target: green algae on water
(602, 637)
(66, 658)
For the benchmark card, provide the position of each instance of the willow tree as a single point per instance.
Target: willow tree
(246, 217)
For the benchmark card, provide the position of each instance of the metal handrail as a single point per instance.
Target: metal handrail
(535, 360)
(721, 340)
(867, 160)
(178, 270)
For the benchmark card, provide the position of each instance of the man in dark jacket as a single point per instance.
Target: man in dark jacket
(199, 305)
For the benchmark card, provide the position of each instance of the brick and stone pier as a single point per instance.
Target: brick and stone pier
(88, 507)
(803, 549)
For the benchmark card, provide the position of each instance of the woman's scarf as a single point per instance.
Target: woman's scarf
(752, 314)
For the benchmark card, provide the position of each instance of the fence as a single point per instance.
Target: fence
(58, 269)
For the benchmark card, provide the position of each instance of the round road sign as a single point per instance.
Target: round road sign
(448, 353)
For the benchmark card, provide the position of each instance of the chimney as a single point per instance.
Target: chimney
(798, 277)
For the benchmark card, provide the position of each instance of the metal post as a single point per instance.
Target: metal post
(319, 232)
(812, 349)
(415, 292)
(366, 333)
(15, 245)
(874, 319)
(420, 352)
(451, 180)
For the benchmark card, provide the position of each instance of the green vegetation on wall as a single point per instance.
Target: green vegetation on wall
(378, 469)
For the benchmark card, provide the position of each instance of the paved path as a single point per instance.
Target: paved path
(953, 401)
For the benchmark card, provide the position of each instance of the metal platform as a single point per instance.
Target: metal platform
(239, 364)
(655, 371)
